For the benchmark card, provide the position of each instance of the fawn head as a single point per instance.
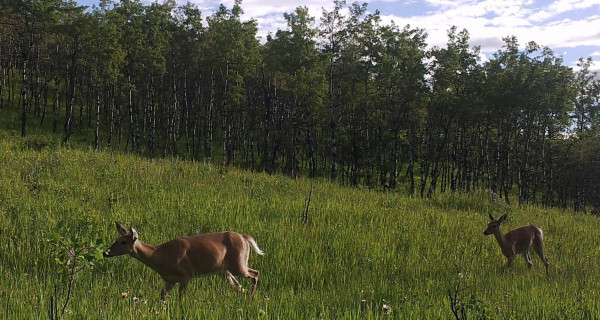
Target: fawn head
(494, 224)
(124, 243)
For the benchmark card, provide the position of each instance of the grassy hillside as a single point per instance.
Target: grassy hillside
(362, 253)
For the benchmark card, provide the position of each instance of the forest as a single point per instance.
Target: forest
(342, 97)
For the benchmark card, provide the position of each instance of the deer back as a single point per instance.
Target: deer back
(202, 254)
(522, 239)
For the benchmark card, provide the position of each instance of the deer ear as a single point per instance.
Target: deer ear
(122, 230)
(502, 218)
(491, 217)
(133, 233)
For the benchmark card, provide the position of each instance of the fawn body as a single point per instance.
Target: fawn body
(518, 241)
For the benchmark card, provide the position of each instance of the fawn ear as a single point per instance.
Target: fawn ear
(122, 230)
(133, 233)
(491, 217)
(502, 218)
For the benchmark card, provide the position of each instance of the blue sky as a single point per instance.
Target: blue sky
(571, 28)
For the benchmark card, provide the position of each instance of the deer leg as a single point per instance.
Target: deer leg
(248, 273)
(539, 249)
(168, 286)
(527, 259)
(232, 281)
(509, 262)
(183, 284)
(253, 275)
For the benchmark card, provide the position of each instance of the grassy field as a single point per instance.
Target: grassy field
(362, 254)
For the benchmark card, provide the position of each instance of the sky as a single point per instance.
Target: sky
(571, 28)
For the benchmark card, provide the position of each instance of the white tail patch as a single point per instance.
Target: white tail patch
(253, 245)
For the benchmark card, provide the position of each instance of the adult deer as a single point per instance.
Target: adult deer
(518, 241)
(181, 259)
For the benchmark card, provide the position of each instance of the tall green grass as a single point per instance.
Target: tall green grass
(362, 254)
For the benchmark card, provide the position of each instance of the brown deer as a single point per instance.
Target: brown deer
(181, 259)
(518, 241)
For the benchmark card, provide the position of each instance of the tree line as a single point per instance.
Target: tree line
(341, 96)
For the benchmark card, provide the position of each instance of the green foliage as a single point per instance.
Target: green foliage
(72, 251)
(361, 254)
(465, 305)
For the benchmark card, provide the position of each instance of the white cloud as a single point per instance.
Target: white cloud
(267, 13)
(562, 6)
(489, 21)
(485, 20)
(483, 57)
(594, 66)
(557, 24)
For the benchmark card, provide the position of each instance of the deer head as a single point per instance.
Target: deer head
(494, 225)
(124, 244)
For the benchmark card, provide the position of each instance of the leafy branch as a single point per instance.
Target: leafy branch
(72, 253)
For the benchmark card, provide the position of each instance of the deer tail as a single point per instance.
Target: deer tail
(253, 244)
(539, 233)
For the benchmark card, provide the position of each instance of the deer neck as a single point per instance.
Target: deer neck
(501, 239)
(144, 253)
